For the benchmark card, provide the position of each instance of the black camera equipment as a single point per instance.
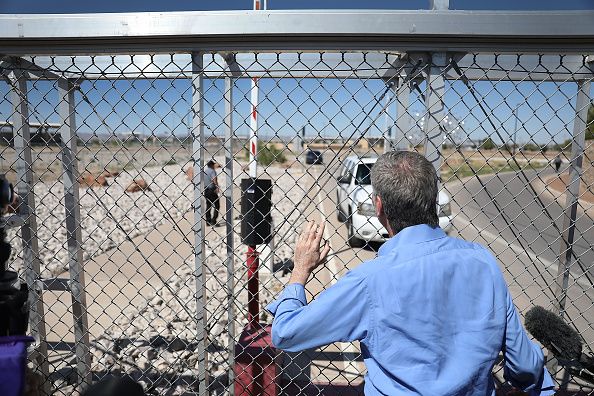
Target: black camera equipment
(14, 311)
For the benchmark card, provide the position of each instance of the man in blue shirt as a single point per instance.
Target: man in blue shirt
(431, 312)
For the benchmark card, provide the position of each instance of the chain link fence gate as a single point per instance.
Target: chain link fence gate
(107, 151)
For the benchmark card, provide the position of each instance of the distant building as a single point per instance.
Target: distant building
(470, 144)
(133, 137)
(45, 134)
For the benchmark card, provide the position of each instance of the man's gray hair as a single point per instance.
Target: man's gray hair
(406, 182)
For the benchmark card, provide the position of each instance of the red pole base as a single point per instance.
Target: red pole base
(253, 293)
(257, 364)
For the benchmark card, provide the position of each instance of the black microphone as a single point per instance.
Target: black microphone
(552, 332)
(563, 341)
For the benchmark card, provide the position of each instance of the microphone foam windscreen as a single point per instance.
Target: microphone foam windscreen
(550, 329)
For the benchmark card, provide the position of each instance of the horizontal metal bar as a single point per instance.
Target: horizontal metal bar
(358, 65)
(9, 63)
(54, 284)
(446, 30)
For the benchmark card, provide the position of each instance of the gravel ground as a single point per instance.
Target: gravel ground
(156, 342)
(109, 215)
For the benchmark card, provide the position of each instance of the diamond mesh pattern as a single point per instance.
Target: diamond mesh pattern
(493, 123)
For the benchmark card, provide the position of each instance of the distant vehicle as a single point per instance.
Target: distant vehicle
(355, 205)
(313, 157)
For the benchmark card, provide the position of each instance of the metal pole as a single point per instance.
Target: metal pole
(434, 99)
(435, 106)
(24, 188)
(253, 296)
(253, 170)
(515, 130)
(252, 253)
(198, 226)
(566, 257)
(403, 121)
(229, 226)
(254, 130)
(66, 109)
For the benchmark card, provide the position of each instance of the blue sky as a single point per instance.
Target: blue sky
(328, 107)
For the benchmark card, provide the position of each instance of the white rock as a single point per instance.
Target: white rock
(161, 364)
(156, 300)
(143, 363)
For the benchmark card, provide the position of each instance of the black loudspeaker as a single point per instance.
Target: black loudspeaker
(256, 220)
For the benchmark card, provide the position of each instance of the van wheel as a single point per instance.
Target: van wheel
(353, 241)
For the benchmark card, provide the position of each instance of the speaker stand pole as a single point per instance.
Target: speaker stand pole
(253, 297)
(258, 364)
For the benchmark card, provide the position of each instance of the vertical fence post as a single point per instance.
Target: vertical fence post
(434, 104)
(434, 100)
(403, 121)
(198, 225)
(572, 194)
(229, 227)
(66, 109)
(24, 188)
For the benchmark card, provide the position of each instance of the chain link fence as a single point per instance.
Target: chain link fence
(107, 152)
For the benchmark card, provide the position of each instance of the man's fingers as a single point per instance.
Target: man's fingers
(325, 251)
(320, 233)
(304, 232)
(311, 236)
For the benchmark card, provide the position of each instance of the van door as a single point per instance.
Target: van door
(342, 188)
(348, 202)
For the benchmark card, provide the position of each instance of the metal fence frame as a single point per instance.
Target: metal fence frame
(427, 37)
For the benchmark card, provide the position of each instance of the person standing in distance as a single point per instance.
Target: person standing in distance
(211, 192)
(557, 162)
(431, 312)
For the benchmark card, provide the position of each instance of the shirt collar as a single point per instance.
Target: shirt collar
(411, 235)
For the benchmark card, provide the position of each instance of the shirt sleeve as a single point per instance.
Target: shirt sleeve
(341, 313)
(524, 360)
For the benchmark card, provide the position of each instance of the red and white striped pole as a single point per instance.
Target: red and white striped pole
(254, 130)
(255, 375)
(253, 171)
(252, 253)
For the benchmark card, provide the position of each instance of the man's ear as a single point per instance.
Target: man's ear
(381, 214)
(379, 206)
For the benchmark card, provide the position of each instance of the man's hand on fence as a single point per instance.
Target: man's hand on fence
(307, 255)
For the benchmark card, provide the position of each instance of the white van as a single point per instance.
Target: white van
(355, 205)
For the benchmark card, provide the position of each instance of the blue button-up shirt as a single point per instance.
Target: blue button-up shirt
(431, 313)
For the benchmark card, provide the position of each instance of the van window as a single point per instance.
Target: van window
(363, 176)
